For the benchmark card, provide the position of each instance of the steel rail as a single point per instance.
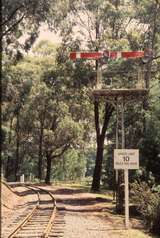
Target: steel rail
(50, 222)
(30, 215)
(26, 219)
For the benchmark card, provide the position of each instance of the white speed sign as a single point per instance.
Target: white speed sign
(126, 159)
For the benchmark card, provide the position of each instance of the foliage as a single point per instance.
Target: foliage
(21, 14)
(20, 25)
(150, 145)
(148, 203)
(90, 161)
(71, 167)
(49, 119)
(47, 108)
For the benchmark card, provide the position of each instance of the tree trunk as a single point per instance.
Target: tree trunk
(100, 137)
(9, 163)
(40, 153)
(98, 165)
(17, 160)
(120, 192)
(48, 172)
(9, 169)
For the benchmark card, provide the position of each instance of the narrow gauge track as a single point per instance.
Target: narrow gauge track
(44, 220)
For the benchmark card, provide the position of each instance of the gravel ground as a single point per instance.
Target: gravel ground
(83, 213)
(85, 226)
(9, 216)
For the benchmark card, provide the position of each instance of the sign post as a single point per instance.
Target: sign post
(22, 178)
(117, 145)
(126, 198)
(126, 159)
(129, 158)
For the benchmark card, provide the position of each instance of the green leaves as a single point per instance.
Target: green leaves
(45, 48)
(148, 203)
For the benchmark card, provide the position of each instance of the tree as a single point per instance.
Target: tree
(150, 143)
(100, 137)
(25, 13)
(41, 100)
(48, 109)
(55, 145)
(18, 85)
(20, 25)
(101, 23)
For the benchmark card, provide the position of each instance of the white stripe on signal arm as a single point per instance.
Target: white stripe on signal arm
(78, 55)
(119, 54)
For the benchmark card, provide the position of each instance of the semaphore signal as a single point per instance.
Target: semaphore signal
(107, 54)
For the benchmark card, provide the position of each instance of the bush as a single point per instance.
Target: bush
(148, 204)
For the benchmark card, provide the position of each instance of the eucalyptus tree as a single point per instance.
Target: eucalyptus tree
(115, 25)
(23, 14)
(54, 129)
(47, 109)
(51, 109)
(65, 135)
(95, 25)
(147, 16)
(15, 93)
(150, 145)
(20, 25)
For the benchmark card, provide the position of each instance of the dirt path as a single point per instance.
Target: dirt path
(85, 225)
(80, 216)
(14, 205)
(87, 215)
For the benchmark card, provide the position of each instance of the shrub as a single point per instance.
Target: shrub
(148, 204)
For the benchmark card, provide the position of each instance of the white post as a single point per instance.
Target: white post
(117, 145)
(30, 177)
(126, 199)
(22, 178)
(2, 172)
(125, 174)
(122, 125)
(99, 76)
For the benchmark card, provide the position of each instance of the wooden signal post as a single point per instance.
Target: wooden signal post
(118, 98)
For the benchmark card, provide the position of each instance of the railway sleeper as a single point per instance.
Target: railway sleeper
(57, 232)
(56, 235)
(27, 236)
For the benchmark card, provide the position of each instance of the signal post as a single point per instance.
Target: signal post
(123, 159)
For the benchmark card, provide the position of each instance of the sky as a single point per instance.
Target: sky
(46, 34)
(82, 25)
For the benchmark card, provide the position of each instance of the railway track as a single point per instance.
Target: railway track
(42, 220)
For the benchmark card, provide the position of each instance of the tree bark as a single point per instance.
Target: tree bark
(48, 172)
(100, 137)
(9, 169)
(40, 152)
(50, 157)
(17, 149)
(9, 165)
(120, 193)
(98, 164)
